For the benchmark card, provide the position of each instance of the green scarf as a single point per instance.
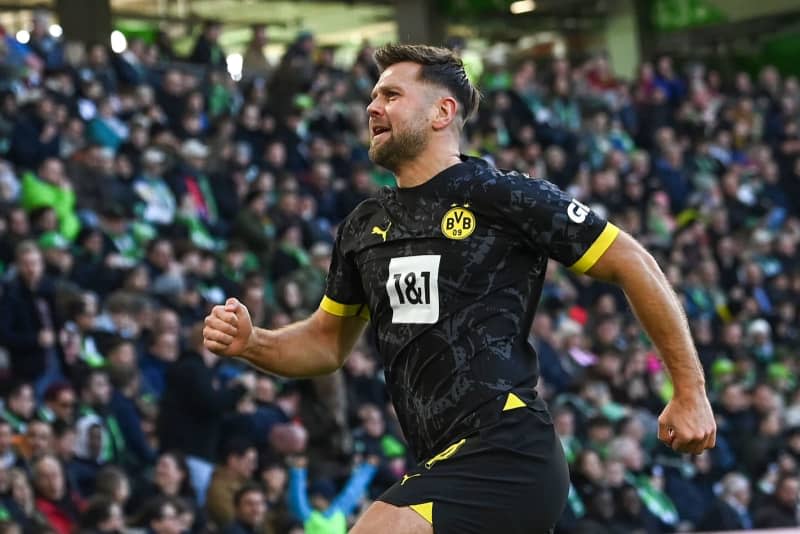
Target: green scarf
(114, 444)
(656, 501)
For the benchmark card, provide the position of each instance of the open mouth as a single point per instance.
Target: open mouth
(378, 131)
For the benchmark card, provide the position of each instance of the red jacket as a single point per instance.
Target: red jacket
(61, 516)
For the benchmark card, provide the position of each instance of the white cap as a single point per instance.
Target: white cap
(153, 156)
(759, 326)
(192, 148)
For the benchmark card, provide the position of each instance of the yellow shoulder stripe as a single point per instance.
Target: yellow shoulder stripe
(596, 251)
(513, 402)
(344, 310)
(424, 509)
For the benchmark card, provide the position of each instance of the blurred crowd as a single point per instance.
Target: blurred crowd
(139, 189)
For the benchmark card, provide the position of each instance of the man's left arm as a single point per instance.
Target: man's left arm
(687, 423)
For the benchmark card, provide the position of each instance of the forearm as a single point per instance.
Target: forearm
(297, 350)
(299, 506)
(359, 482)
(660, 313)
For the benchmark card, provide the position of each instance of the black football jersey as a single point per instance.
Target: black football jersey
(449, 274)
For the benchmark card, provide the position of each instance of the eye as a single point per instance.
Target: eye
(391, 95)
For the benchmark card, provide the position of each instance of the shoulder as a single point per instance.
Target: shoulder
(360, 217)
(485, 173)
(366, 208)
(234, 528)
(12, 289)
(187, 363)
(501, 188)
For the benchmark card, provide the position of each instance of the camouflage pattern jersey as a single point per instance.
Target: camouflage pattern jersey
(449, 274)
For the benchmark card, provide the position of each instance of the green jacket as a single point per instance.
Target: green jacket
(318, 523)
(37, 193)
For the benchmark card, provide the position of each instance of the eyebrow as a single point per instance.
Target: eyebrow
(385, 89)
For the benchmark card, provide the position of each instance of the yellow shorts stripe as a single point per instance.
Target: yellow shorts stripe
(445, 454)
(513, 402)
(343, 310)
(424, 509)
(596, 251)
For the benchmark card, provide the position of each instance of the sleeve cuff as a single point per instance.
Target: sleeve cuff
(344, 310)
(596, 251)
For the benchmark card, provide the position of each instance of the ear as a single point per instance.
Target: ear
(445, 112)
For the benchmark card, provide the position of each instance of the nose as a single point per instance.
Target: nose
(374, 109)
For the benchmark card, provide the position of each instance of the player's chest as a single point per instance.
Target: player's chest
(414, 266)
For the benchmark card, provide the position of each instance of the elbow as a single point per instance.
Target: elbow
(336, 361)
(638, 263)
(331, 352)
(623, 261)
(331, 357)
(643, 260)
(325, 362)
(328, 366)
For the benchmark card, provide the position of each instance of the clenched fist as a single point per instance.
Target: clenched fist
(228, 329)
(687, 424)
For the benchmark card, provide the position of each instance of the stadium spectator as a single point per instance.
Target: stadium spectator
(52, 187)
(161, 515)
(28, 322)
(255, 64)
(36, 135)
(170, 479)
(20, 504)
(44, 45)
(102, 515)
(780, 508)
(251, 512)
(192, 409)
(207, 50)
(38, 441)
(274, 478)
(125, 409)
(113, 483)
(18, 407)
(53, 499)
(319, 507)
(239, 462)
(731, 509)
(8, 453)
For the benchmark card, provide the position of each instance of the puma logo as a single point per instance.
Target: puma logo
(376, 230)
(406, 477)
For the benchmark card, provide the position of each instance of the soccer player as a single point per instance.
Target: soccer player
(447, 268)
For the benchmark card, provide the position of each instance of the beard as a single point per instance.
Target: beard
(401, 147)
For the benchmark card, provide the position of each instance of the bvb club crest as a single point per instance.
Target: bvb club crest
(458, 222)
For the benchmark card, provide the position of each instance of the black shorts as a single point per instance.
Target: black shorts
(509, 478)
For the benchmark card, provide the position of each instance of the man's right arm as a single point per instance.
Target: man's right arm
(315, 346)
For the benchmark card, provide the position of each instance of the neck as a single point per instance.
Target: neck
(430, 162)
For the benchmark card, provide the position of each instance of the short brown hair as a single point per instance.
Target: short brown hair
(440, 66)
(26, 247)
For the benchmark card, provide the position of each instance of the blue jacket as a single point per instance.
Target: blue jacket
(347, 500)
(130, 423)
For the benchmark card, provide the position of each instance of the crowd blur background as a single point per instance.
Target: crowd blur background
(139, 189)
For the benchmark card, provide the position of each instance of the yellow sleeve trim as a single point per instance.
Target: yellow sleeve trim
(344, 310)
(596, 251)
(424, 509)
